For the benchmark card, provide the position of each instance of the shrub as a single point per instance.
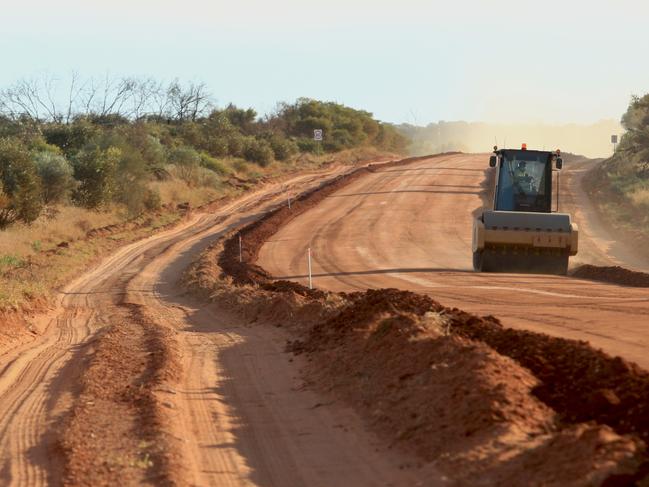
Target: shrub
(21, 186)
(258, 151)
(309, 145)
(282, 148)
(241, 118)
(305, 127)
(187, 162)
(56, 175)
(70, 138)
(153, 200)
(95, 170)
(134, 199)
(340, 139)
(241, 166)
(214, 165)
(236, 145)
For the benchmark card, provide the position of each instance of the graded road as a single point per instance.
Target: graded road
(410, 228)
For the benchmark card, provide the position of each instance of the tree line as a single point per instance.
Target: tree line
(102, 143)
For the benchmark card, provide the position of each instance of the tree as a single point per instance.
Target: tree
(56, 176)
(21, 187)
(187, 162)
(241, 118)
(95, 170)
(188, 103)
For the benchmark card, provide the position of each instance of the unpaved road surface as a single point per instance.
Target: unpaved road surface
(410, 228)
(240, 412)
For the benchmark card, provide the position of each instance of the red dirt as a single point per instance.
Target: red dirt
(113, 433)
(254, 235)
(613, 274)
(457, 402)
(580, 383)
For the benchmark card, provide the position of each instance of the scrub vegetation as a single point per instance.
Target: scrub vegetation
(621, 183)
(96, 153)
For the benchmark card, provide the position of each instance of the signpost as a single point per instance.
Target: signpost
(614, 141)
(318, 136)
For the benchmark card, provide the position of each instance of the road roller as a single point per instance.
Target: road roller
(524, 232)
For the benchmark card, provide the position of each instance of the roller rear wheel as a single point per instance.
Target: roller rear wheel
(494, 261)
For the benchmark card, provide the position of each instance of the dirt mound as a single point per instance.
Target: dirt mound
(112, 435)
(293, 287)
(364, 307)
(614, 274)
(455, 401)
(577, 381)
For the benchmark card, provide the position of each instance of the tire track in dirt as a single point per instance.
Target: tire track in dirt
(245, 418)
(402, 252)
(332, 340)
(38, 379)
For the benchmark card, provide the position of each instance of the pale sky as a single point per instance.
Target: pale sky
(405, 61)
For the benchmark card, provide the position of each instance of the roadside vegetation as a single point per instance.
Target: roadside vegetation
(620, 185)
(94, 154)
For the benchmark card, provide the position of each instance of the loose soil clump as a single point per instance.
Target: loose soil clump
(613, 274)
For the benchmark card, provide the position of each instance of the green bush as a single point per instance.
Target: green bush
(215, 165)
(70, 138)
(134, 199)
(242, 119)
(236, 145)
(95, 170)
(21, 186)
(187, 161)
(282, 148)
(309, 145)
(258, 151)
(57, 176)
(340, 139)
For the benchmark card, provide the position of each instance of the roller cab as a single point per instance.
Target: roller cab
(523, 233)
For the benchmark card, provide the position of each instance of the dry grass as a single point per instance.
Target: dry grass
(177, 191)
(23, 279)
(58, 225)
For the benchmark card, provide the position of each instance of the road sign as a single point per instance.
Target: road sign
(613, 139)
(317, 134)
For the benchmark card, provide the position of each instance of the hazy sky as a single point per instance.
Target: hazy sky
(406, 61)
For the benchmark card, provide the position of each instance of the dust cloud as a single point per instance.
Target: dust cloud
(592, 140)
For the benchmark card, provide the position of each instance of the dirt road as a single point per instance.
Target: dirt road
(410, 228)
(241, 414)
